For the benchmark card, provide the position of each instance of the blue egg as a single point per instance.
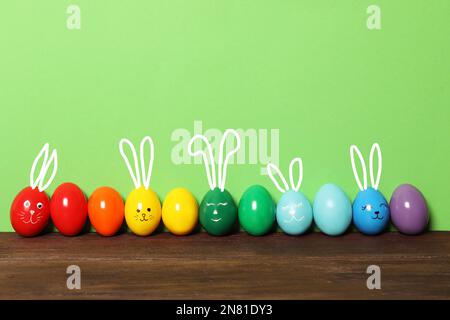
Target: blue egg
(332, 210)
(370, 212)
(294, 213)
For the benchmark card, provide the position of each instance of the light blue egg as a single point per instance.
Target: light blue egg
(332, 210)
(294, 213)
(370, 212)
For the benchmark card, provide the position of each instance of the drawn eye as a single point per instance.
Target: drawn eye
(367, 207)
(27, 204)
(40, 205)
(222, 204)
(209, 204)
(148, 209)
(383, 205)
(138, 210)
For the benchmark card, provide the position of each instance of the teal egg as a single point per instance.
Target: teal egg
(256, 211)
(332, 210)
(294, 213)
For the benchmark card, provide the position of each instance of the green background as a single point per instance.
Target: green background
(309, 68)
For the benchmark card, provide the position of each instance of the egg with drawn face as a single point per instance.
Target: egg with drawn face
(218, 212)
(143, 211)
(370, 212)
(30, 212)
(294, 213)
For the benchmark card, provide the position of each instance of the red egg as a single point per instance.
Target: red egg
(30, 212)
(69, 208)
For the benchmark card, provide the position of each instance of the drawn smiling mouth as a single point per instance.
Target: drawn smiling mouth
(22, 215)
(377, 218)
(142, 220)
(216, 220)
(29, 221)
(294, 218)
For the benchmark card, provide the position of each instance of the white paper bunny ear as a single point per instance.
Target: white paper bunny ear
(146, 176)
(354, 149)
(140, 176)
(294, 186)
(209, 162)
(208, 158)
(224, 163)
(270, 168)
(46, 163)
(135, 177)
(376, 183)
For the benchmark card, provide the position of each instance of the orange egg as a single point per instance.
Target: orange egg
(106, 211)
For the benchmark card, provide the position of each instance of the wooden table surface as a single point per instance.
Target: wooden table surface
(239, 266)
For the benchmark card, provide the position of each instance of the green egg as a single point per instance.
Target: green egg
(218, 212)
(257, 211)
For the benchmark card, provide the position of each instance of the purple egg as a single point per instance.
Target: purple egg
(409, 212)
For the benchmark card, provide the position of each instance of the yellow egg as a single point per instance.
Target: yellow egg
(180, 212)
(142, 211)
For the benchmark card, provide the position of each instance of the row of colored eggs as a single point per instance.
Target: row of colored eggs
(332, 211)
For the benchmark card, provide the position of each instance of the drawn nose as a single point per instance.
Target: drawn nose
(143, 215)
(31, 212)
(292, 212)
(215, 211)
(377, 212)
